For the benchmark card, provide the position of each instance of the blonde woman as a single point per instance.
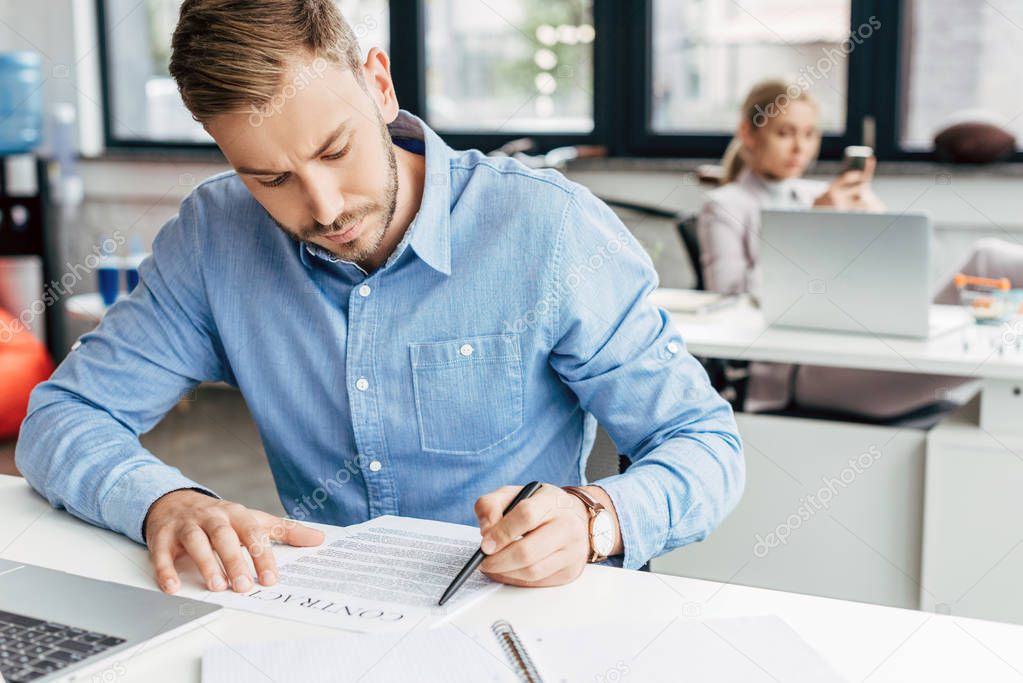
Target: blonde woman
(777, 140)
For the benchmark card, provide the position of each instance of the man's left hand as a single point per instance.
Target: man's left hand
(543, 541)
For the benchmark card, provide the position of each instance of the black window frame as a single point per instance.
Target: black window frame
(890, 95)
(643, 141)
(622, 67)
(408, 69)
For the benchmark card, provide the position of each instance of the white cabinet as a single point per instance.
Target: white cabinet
(831, 509)
(973, 534)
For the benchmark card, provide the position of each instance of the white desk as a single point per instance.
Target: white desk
(990, 353)
(741, 332)
(87, 307)
(863, 642)
(937, 523)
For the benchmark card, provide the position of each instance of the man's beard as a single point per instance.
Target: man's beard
(372, 236)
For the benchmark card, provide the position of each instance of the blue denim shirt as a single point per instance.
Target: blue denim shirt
(512, 317)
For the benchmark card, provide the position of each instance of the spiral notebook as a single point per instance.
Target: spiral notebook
(743, 650)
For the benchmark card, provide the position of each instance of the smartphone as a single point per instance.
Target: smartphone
(855, 158)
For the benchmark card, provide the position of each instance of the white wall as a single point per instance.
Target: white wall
(965, 205)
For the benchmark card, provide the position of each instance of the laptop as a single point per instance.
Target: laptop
(56, 626)
(852, 272)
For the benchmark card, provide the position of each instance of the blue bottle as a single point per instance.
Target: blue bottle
(131, 264)
(21, 102)
(108, 274)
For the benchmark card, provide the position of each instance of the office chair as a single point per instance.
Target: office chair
(685, 225)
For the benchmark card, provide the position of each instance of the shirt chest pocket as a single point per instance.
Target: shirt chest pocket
(468, 392)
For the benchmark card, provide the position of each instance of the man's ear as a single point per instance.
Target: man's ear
(377, 74)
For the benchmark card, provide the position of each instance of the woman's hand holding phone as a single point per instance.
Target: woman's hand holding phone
(851, 191)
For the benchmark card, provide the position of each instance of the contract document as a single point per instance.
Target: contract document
(384, 575)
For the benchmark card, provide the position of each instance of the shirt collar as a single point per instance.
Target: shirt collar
(429, 235)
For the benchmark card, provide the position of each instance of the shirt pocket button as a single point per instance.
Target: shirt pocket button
(466, 350)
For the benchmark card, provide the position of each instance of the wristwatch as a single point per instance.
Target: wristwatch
(601, 526)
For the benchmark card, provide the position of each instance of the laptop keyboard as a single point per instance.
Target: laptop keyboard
(33, 648)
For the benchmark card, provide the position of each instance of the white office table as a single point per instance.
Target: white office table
(863, 642)
(741, 332)
(86, 307)
(990, 353)
(937, 523)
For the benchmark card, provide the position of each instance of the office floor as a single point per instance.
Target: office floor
(7, 458)
(213, 440)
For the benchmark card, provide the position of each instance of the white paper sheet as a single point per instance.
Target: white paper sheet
(744, 650)
(383, 575)
(691, 301)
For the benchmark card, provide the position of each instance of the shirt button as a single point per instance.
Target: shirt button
(365, 290)
(362, 384)
(673, 348)
(375, 466)
(466, 350)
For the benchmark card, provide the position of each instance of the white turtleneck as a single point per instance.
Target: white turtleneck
(783, 194)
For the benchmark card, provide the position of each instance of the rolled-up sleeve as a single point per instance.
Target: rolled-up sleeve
(79, 444)
(629, 368)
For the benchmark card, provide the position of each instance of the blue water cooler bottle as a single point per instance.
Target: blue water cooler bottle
(21, 102)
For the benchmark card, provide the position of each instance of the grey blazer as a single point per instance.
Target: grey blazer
(729, 227)
(729, 232)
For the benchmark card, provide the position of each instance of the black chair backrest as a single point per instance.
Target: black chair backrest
(686, 226)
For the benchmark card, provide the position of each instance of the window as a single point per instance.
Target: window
(642, 77)
(142, 101)
(707, 54)
(515, 66)
(963, 60)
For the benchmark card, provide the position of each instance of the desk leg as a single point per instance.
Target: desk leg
(1001, 406)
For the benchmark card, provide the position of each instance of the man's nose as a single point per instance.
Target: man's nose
(325, 201)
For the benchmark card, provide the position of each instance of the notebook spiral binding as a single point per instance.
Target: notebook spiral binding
(515, 652)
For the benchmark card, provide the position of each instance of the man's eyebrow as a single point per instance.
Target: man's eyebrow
(331, 139)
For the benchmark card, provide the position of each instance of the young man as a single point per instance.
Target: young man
(415, 330)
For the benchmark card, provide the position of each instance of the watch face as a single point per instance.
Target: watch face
(602, 533)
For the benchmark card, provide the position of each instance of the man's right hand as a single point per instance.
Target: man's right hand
(190, 523)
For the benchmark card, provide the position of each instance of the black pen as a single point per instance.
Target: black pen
(470, 566)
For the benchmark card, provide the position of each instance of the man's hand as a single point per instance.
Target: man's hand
(544, 541)
(213, 533)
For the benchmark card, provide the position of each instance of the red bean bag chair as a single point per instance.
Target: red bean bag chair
(24, 363)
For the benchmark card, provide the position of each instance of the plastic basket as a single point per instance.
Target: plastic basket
(989, 300)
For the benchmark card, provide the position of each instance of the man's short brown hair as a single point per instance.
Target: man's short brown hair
(228, 56)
